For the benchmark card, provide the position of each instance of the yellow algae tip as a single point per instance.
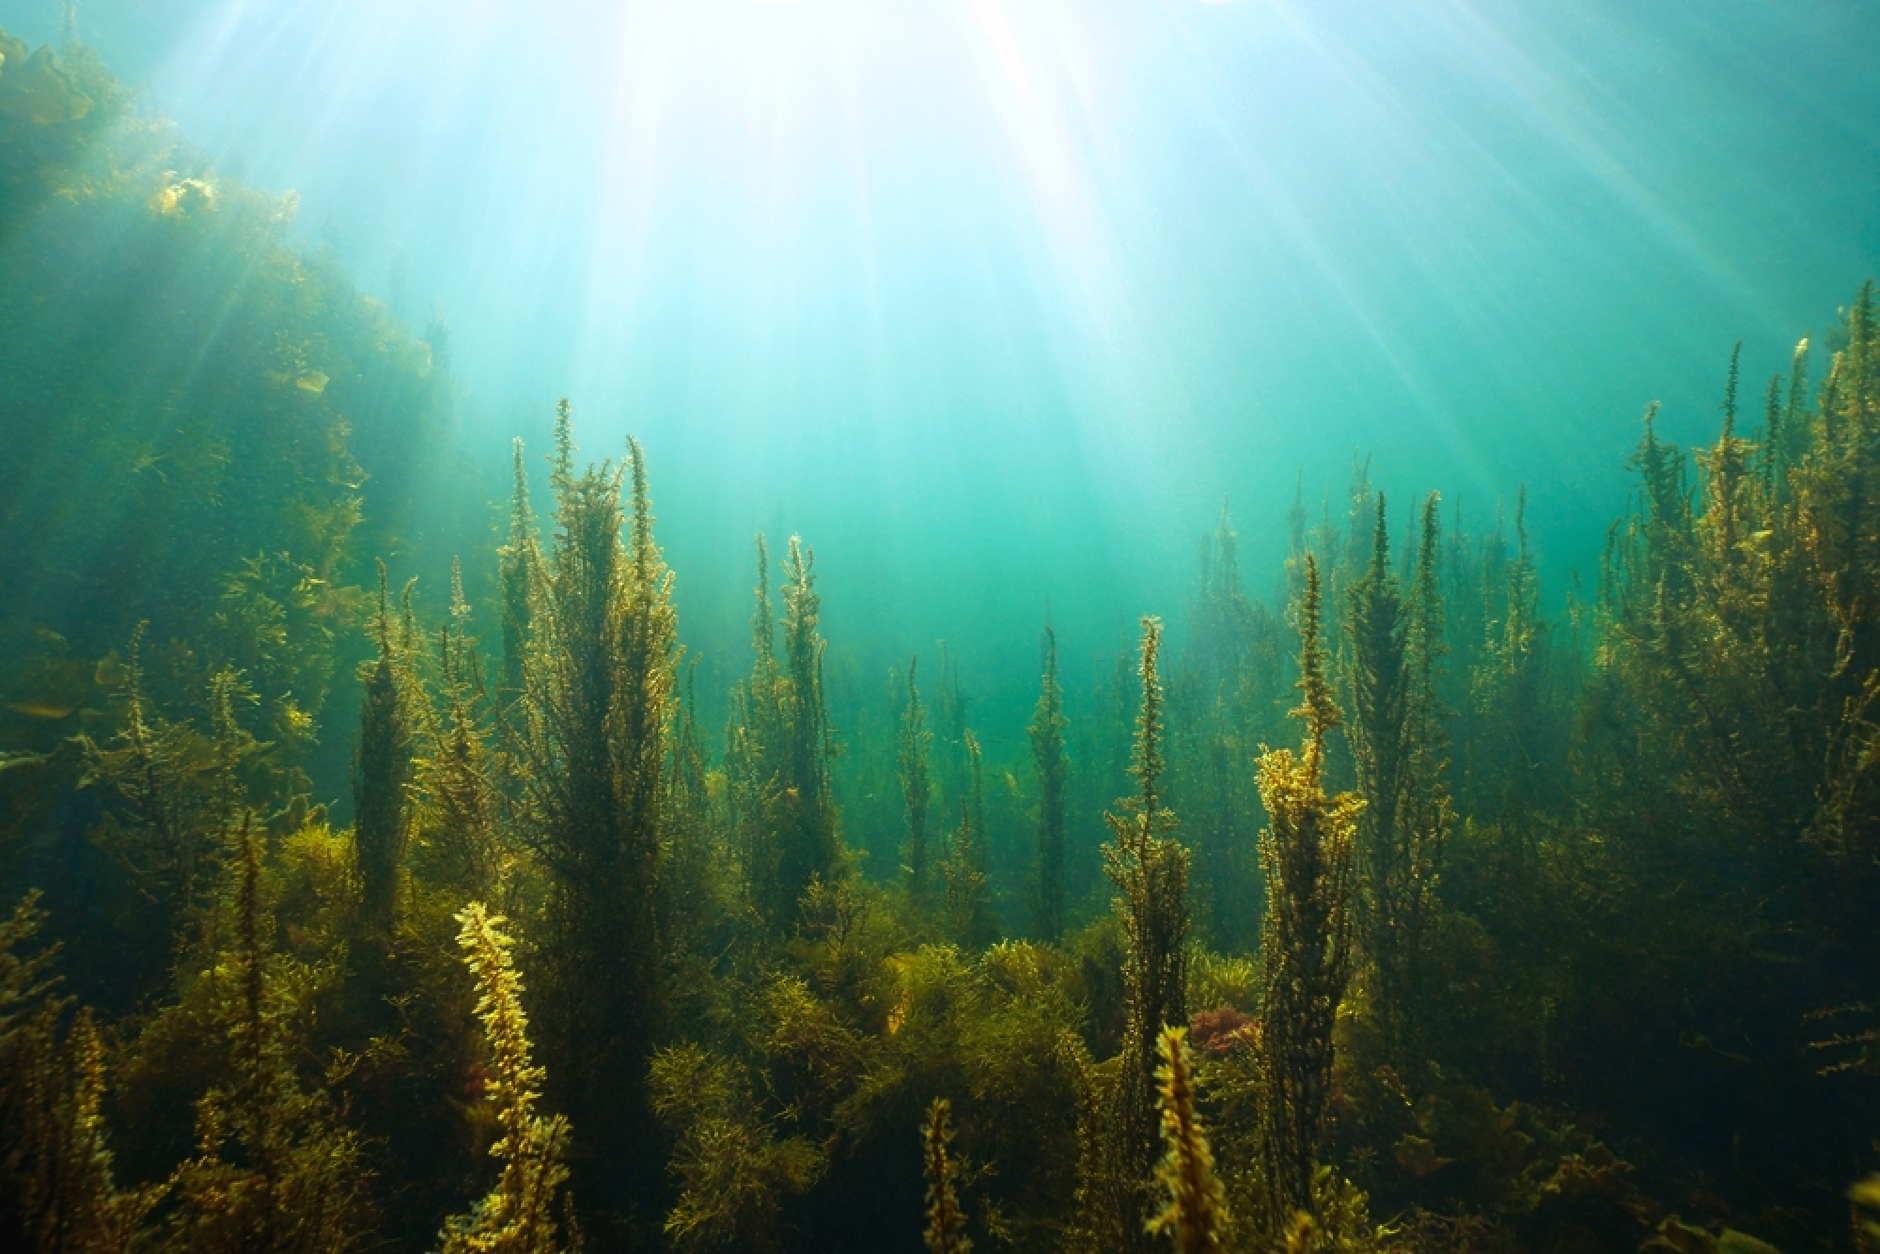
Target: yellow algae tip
(183, 196)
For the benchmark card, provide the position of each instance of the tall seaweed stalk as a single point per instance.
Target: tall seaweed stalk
(273, 1173)
(459, 808)
(809, 844)
(1308, 855)
(1196, 1212)
(1046, 734)
(754, 765)
(598, 698)
(518, 1216)
(1395, 736)
(965, 870)
(778, 745)
(945, 1224)
(382, 773)
(518, 565)
(1150, 871)
(913, 745)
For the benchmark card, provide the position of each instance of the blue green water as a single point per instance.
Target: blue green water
(996, 303)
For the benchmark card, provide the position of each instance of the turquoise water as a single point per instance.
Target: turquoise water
(997, 303)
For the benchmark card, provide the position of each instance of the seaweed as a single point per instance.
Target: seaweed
(272, 1169)
(808, 844)
(382, 773)
(1150, 872)
(971, 923)
(595, 711)
(1046, 734)
(1196, 1213)
(518, 1215)
(943, 1208)
(1396, 744)
(913, 744)
(1308, 853)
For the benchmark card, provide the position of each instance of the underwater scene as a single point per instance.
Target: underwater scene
(823, 626)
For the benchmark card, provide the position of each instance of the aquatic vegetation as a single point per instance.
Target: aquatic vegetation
(596, 707)
(167, 803)
(60, 1189)
(808, 843)
(778, 750)
(1196, 1212)
(24, 979)
(734, 1171)
(455, 785)
(1865, 1196)
(157, 472)
(1727, 721)
(518, 575)
(753, 766)
(1046, 734)
(1337, 1223)
(943, 1208)
(37, 92)
(382, 778)
(913, 744)
(1150, 872)
(963, 869)
(1676, 1235)
(1396, 747)
(698, 880)
(1223, 704)
(275, 625)
(519, 1215)
(55, 108)
(1308, 854)
(271, 1170)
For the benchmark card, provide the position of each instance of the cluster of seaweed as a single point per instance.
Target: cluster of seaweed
(1534, 932)
(192, 407)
